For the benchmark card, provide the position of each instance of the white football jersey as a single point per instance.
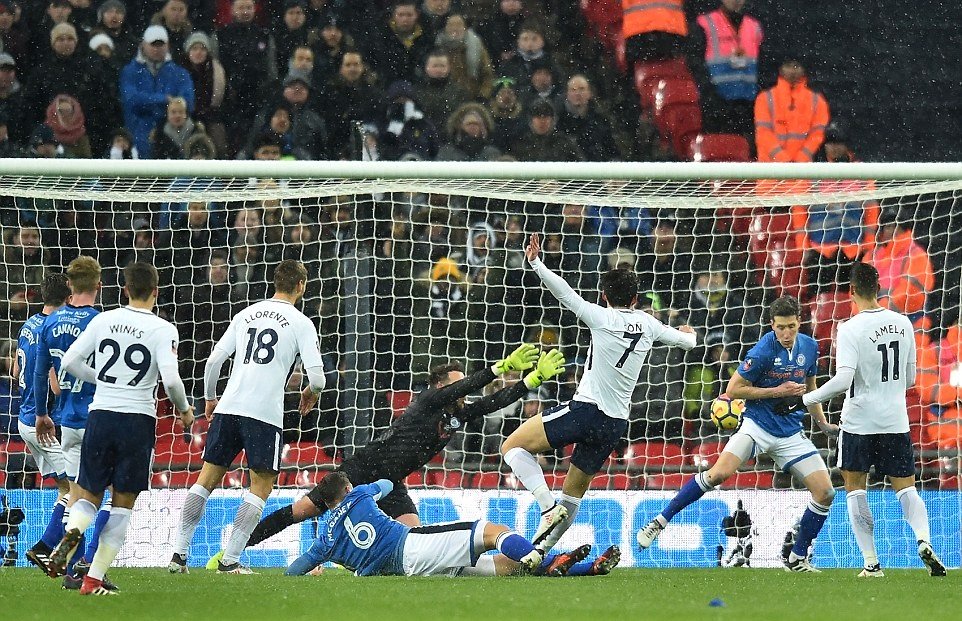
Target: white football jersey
(129, 345)
(880, 345)
(620, 342)
(266, 339)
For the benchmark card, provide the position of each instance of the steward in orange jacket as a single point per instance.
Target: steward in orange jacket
(790, 118)
(653, 29)
(905, 271)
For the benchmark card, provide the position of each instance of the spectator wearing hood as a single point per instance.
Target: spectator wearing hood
(147, 83)
(306, 137)
(470, 62)
(438, 95)
(543, 143)
(329, 42)
(404, 133)
(73, 71)
(43, 143)
(112, 21)
(210, 84)
(470, 130)
(66, 118)
(12, 104)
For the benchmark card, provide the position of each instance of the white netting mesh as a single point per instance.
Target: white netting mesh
(410, 272)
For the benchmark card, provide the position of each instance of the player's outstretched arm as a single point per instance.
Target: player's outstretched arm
(845, 364)
(549, 365)
(817, 413)
(592, 314)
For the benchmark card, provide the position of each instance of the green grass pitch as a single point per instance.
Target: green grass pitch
(672, 594)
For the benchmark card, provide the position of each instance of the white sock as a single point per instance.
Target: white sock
(572, 504)
(915, 513)
(247, 518)
(82, 514)
(111, 540)
(190, 516)
(484, 567)
(863, 525)
(528, 470)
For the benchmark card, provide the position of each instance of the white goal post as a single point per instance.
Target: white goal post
(416, 263)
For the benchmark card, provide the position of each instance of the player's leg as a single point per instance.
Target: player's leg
(739, 449)
(262, 444)
(519, 451)
(224, 443)
(862, 521)
(896, 460)
(797, 454)
(49, 460)
(71, 441)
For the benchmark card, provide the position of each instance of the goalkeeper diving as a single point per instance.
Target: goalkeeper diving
(422, 431)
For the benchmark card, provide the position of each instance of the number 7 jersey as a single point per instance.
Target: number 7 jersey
(265, 339)
(880, 345)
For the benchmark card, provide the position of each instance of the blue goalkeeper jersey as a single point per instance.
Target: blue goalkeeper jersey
(26, 362)
(359, 536)
(60, 330)
(769, 364)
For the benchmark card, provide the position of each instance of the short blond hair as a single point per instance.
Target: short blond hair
(83, 274)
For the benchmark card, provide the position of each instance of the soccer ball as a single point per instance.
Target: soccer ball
(726, 412)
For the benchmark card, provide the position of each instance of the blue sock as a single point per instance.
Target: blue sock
(809, 526)
(77, 555)
(546, 562)
(581, 569)
(513, 545)
(691, 491)
(54, 532)
(102, 516)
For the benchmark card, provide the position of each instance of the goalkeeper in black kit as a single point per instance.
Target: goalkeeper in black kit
(422, 431)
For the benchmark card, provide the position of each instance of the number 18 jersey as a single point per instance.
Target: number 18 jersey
(880, 345)
(265, 339)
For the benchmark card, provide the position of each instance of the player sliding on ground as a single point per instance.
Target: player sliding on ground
(597, 417)
(266, 340)
(362, 538)
(129, 347)
(422, 431)
(769, 380)
(874, 366)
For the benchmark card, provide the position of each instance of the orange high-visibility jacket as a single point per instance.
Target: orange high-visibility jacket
(905, 274)
(641, 16)
(790, 122)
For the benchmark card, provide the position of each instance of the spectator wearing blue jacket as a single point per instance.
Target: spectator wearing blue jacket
(147, 83)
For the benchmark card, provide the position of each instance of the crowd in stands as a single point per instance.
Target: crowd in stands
(469, 81)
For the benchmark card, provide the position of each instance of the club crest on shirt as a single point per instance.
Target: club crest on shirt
(747, 364)
(800, 359)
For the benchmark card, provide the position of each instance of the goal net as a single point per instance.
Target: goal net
(416, 264)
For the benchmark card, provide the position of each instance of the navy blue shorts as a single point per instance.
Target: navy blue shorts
(892, 454)
(117, 450)
(230, 434)
(583, 424)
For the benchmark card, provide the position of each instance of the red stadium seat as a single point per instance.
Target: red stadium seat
(681, 125)
(666, 481)
(604, 22)
(176, 479)
(487, 480)
(749, 480)
(772, 250)
(828, 308)
(172, 452)
(648, 74)
(304, 455)
(453, 480)
(720, 148)
(415, 479)
(398, 400)
(672, 92)
(653, 456)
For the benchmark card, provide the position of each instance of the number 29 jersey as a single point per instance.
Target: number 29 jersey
(265, 339)
(129, 345)
(880, 345)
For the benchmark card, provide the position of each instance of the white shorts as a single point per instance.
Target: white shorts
(443, 549)
(71, 440)
(794, 454)
(50, 459)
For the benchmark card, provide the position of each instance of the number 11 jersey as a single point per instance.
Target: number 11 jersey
(880, 345)
(265, 339)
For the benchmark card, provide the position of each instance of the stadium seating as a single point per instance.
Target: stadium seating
(827, 309)
(749, 480)
(719, 148)
(304, 455)
(398, 400)
(772, 250)
(487, 480)
(665, 481)
(654, 456)
(649, 74)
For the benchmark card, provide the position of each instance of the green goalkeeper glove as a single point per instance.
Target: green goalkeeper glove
(550, 364)
(520, 359)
